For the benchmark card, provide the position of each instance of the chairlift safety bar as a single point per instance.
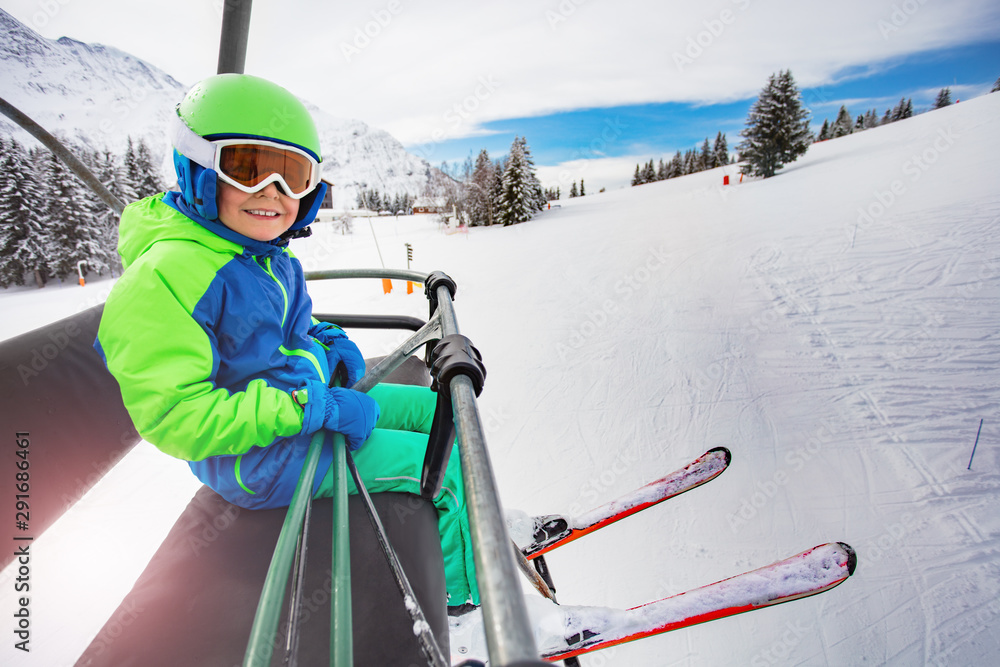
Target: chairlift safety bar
(509, 636)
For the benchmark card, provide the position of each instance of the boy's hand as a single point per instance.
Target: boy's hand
(341, 349)
(342, 410)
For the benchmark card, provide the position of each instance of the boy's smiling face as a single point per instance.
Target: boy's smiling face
(263, 215)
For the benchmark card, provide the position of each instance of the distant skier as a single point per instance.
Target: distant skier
(210, 334)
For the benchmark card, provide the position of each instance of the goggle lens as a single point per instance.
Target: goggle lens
(251, 164)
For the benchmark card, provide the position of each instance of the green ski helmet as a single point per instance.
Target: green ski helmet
(229, 107)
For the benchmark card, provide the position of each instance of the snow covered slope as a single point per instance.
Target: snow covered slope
(99, 96)
(835, 327)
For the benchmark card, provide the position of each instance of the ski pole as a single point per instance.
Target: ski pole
(532, 574)
(977, 443)
(298, 583)
(428, 643)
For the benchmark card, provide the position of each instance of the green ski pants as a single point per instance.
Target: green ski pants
(392, 459)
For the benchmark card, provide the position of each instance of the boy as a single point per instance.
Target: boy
(210, 334)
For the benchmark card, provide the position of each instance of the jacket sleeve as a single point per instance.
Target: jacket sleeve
(165, 363)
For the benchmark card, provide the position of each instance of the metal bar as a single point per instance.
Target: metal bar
(265, 622)
(509, 637)
(372, 321)
(428, 643)
(235, 32)
(391, 362)
(446, 311)
(340, 274)
(61, 152)
(341, 614)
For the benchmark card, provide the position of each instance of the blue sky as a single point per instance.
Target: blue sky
(595, 86)
(659, 130)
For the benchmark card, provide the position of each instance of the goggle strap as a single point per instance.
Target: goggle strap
(190, 144)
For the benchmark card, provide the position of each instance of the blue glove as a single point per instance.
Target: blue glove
(342, 410)
(340, 349)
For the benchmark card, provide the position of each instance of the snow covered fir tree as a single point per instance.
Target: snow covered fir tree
(521, 194)
(709, 156)
(777, 128)
(943, 98)
(493, 192)
(51, 225)
(373, 200)
(843, 125)
(21, 250)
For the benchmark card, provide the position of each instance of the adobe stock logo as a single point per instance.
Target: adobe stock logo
(363, 35)
(703, 40)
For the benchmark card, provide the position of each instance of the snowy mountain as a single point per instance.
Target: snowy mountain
(834, 326)
(99, 96)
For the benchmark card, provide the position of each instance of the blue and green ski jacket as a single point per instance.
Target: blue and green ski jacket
(207, 333)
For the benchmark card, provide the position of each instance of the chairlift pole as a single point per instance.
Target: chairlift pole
(61, 152)
(235, 33)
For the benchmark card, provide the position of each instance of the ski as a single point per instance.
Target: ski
(554, 530)
(588, 629)
(565, 631)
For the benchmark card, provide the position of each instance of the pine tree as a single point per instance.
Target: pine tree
(573, 191)
(105, 166)
(677, 165)
(537, 195)
(706, 159)
(637, 178)
(583, 190)
(661, 171)
(480, 202)
(649, 173)
(147, 182)
(843, 125)
(720, 151)
(777, 130)
(132, 172)
(71, 232)
(496, 188)
(519, 199)
(897, 111)
(943, 98)
(996, 86)
(824, 132)
(21, 234)
(690, 161)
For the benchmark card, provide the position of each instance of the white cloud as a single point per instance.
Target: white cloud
(417, 69)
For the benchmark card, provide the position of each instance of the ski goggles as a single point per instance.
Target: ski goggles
(250, 165)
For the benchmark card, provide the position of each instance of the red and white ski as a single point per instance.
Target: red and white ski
(587, 629)
(554, 530)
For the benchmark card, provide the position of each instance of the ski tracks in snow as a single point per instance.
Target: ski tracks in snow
(898, 335)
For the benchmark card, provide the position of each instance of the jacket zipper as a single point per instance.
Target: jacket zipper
(284, 350)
